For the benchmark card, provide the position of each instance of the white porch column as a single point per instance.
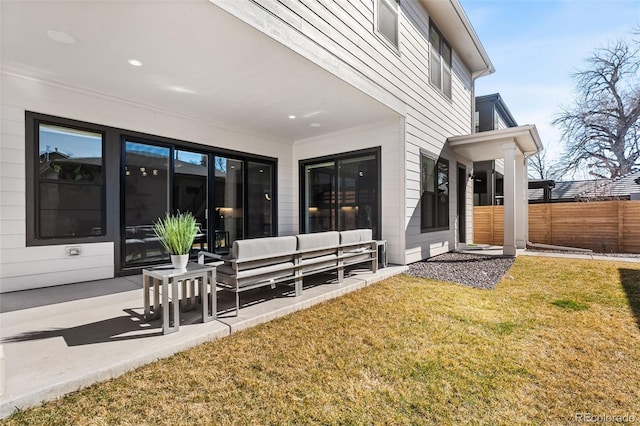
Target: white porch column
(509, 244)
(522, 208)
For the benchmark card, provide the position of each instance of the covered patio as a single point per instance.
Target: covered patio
(515, 145)
(57, 340)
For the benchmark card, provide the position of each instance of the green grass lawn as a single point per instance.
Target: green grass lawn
(556, 337)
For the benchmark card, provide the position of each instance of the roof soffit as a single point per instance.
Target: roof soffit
(489, 145)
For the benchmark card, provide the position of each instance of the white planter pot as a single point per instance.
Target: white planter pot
(179, 261)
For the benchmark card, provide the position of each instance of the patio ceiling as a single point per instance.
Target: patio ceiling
(197, 61)
(483, 146)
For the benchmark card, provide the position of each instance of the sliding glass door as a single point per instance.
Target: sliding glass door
(319, 197)
(146, 198)
(190, 191)
(231, 199)
(228, 221)
(340, 193)
(260, 200)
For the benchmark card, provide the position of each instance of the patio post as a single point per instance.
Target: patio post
(521, 216)
(509, 244)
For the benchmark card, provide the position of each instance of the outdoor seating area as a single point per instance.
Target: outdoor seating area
(289, 259)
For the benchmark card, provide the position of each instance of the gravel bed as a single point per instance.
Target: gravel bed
(472, 270)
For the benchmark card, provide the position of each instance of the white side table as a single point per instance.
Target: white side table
(167, 276)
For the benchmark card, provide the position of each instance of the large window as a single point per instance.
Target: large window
(90, 183)
(434, 201)
(387, 20)
(440, 61)
(69, 188)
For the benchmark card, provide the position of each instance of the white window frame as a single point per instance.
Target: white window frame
(436, 59)
(394, 5)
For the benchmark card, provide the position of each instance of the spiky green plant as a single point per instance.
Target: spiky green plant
(176, 232)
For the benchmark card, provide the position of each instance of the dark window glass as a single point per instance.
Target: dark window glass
(320, 197)
(443, 194)
(70, 183)
(260, 200)
(146, 199)
(358, 193)
(434, 200)
(388, 20)
(440, 58)
(341, 194)
(190, 178)
(229, 208)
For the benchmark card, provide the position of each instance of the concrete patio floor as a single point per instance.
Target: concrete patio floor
(60, 339)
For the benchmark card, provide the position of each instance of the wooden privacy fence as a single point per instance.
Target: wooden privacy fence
(602, 226)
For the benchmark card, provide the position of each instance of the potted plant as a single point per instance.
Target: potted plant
(177, 233)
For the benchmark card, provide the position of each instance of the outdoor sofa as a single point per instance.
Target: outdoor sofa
(269, 261)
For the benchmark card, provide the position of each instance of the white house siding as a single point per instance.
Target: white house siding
(388, 136)
(357, 54)
(23, 267)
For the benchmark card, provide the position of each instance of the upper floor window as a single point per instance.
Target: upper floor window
(69, 198)
(440, 58)
(387, 20)
(434, 199)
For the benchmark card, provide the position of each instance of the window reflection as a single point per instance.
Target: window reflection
(341, 194)
(229, 208)
(71, 193)
(260, 200)
(190, 191)
(146, 199)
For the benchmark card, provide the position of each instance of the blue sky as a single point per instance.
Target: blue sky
(535, 45)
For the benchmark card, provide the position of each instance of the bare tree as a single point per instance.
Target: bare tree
(540, 167)
(601, 129)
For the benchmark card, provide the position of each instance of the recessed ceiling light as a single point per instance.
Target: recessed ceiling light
(314, 124)
(181, 89)
(61, 37)
(135, 62)
(292, 117)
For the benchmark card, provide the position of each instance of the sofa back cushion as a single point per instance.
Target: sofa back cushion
(356, 236)
(322, 243)
(272, 250)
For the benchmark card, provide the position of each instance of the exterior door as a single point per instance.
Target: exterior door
(146, 198)
(340, 194)
(462, 203)
(191, 191)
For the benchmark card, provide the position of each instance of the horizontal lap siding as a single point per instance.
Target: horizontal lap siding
(602, 226)
(345, 29)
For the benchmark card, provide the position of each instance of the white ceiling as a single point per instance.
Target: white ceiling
(198, 61)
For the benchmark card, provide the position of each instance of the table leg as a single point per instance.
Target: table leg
(145, 281)
(188, 300)
(167, 328)
(156, 297)
(205, 282)
(183, 300)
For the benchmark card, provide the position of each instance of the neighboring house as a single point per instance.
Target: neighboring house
(488, 184)
(263, 118)
(625, 187)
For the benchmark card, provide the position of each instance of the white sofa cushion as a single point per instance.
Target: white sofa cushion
(355, 236)
(320, 244)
